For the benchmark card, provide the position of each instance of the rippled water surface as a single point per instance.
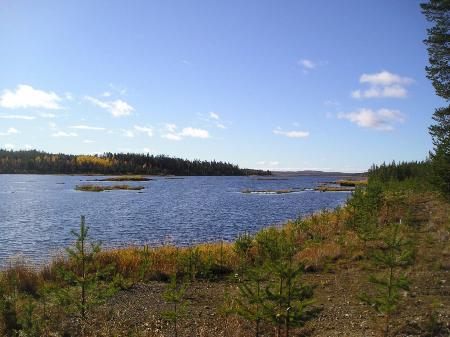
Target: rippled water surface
(37, 212)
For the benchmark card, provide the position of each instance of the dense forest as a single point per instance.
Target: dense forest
(114, 163)
(401, 171)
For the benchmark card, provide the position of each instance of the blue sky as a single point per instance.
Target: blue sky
(322, 85)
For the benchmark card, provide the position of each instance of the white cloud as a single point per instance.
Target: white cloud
(47, 115)
(88, 141)
(214, 118)
(9, 132)
(128, 133)
(22, 117)
(382, 120)
(307, 64)
(383, 84)
(145, 129)
(394, 91)
(52, 125)
(68, 96)
(291, 134)
(331, 103)
(106, 94)
(117, 108)
(28, 147)
(214, 115)
(385, 78)
(171, 127)
(60, 134)
(26, 96)
(171, 136)
(9, 146)
(87, 127)
(193, 132)
(170, 132)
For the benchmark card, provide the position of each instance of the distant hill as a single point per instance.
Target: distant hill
(312, 173)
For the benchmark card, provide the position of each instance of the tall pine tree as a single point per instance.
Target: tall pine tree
(437, 12)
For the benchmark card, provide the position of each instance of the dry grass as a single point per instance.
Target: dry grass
(353, 183)
(101, 188)
(317, 257)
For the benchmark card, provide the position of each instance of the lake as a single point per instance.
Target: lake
(37, 212)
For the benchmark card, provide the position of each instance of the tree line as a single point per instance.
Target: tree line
(38, 162)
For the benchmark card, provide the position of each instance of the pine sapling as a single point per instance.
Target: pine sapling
(249, 302)
(395, 254)
(287, 301)
(86, 281)
(175, 297)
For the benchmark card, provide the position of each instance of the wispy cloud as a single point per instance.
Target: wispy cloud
(87, 127)
(170, 132)
(171, 136)
(331, 103)
(291, 134)
(144, 129)
(88, 141)
(385, 78)
(128, 133)
(25, 96)
(61, 134)
(214, 115)
(382, 120)
(21, 117)
(194, 132)
(383, 84)
(307, 64)
(118, 89)
(9, 132)
(47, 115)
(214, 118)
(117, 108)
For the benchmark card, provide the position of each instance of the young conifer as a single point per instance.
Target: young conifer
(249, 302)
(175, 297)
(395, 254)
(288, 301)
(86, 281)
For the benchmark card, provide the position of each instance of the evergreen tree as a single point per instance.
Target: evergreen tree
(86, 282)
(394, 254)
(250, 299)
(288, 301)
(174, 296)
(438, 42)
